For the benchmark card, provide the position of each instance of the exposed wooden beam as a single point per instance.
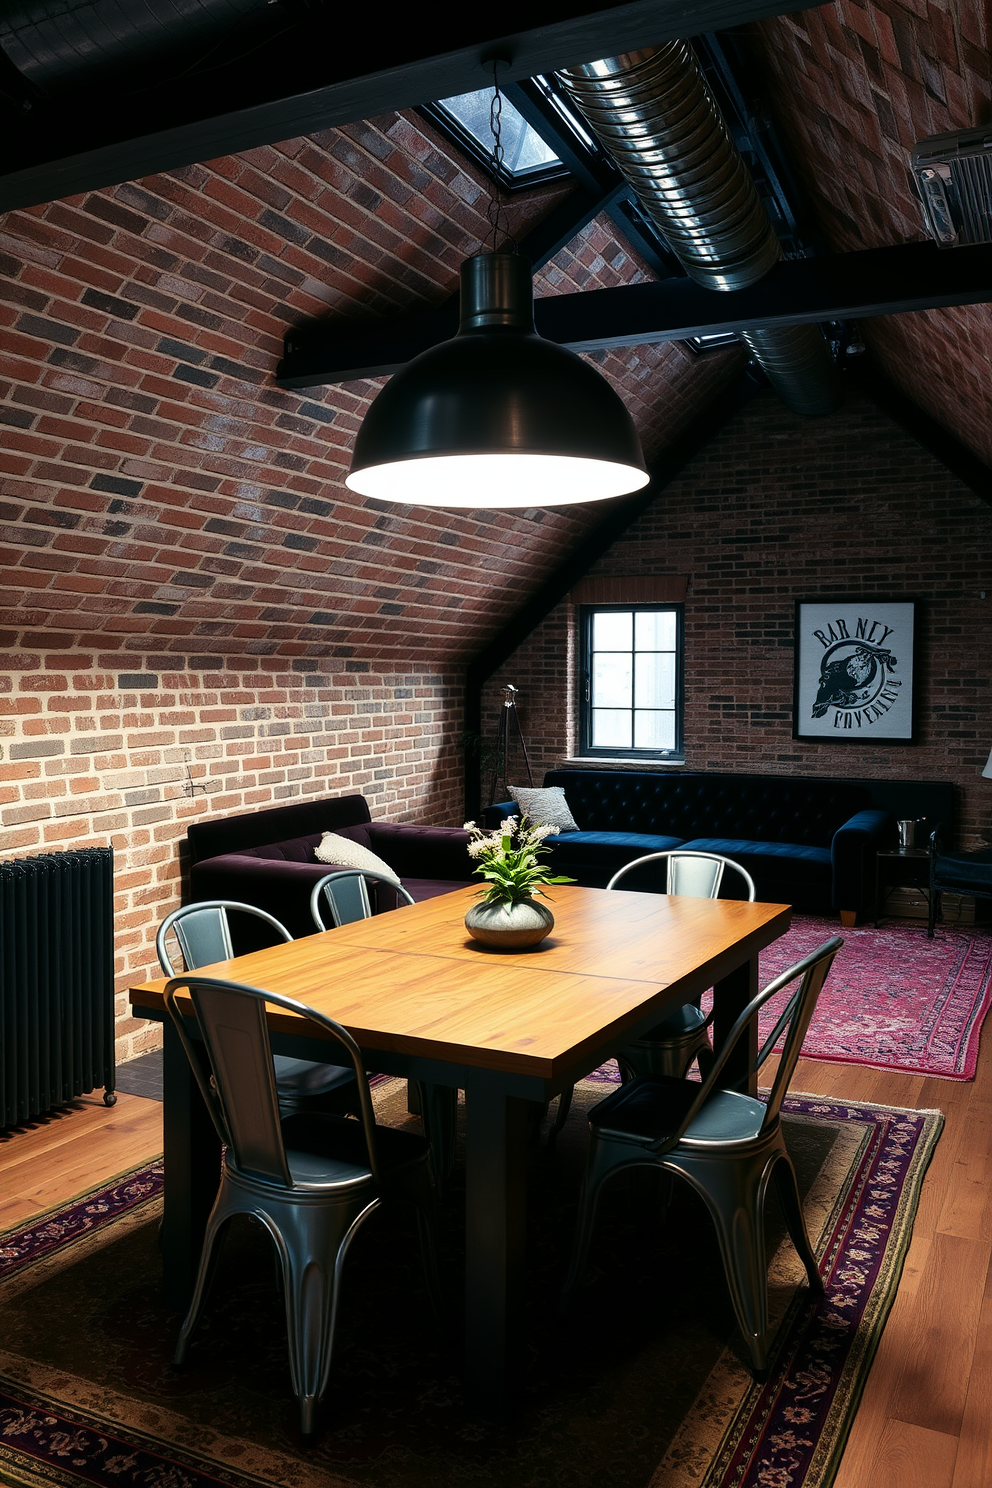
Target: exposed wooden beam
(848, 286)
(309, 80)
(617, 517)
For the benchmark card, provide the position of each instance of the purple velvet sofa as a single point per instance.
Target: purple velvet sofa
(267, 859)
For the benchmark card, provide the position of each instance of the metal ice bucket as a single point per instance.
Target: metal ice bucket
(907, 832)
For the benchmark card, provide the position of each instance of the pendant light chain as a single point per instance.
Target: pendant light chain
(499, 222)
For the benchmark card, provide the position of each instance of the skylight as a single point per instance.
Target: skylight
(526, 157)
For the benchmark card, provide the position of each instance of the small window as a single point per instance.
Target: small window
(527, 160)
(630, 683)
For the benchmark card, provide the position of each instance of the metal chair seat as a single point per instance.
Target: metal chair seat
(646, 1111)
(330, 1151)
(726, 1145)
(687, 1019)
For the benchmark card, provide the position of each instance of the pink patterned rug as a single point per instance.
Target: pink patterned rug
(894, 999)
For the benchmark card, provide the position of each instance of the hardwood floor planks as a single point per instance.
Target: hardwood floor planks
(973, 1464)
(65, 1153)
(909, 1457)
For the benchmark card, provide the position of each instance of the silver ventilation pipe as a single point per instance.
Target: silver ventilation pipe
(654, 114)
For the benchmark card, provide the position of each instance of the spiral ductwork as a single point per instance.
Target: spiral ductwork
(654, 114)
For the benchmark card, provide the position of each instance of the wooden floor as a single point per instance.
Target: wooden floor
(926, 1417)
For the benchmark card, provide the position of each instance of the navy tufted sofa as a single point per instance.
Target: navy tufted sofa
(267, 859)
(808, 842)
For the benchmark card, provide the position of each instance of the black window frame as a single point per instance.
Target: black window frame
(586, 749)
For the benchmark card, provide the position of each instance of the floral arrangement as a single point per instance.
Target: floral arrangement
(508, 860)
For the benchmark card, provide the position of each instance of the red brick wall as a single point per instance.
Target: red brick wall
(777, 509)
(127, 750)
(854, 87)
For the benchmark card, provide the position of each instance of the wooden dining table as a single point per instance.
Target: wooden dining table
(424, 1000)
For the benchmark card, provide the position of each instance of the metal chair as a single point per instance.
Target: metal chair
(671, 1047)
(346, 897)
(967, 873)
(204, 935)
(726, 1145)
(311, 1179)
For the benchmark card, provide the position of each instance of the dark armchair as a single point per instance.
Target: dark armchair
(958, 873)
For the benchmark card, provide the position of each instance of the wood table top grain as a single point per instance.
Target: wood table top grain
(414, 982)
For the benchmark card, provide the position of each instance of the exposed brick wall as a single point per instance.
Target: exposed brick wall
(126, 751)
(167, 512)
(778, 509)
(854, 87)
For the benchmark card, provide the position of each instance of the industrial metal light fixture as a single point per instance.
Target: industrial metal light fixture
(497, 416)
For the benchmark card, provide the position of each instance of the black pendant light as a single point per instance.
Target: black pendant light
(497, 416)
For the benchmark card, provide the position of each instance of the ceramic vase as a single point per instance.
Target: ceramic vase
(510, 927)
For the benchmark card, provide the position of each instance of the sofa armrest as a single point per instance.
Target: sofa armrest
(423, 852)
(494, 816)
(852, 854)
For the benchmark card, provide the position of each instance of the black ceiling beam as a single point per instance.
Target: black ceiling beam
(848, 286)
(617, 517)
(310, 79)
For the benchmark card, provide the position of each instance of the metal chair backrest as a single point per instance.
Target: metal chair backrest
(347, 897)
(204, 933)
(810, 973)
(698, 875)
(240, 1092)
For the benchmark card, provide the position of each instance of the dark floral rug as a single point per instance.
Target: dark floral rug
(643, 1385)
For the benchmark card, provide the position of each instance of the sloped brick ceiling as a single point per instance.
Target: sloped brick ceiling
(159, 490)
(854, 87)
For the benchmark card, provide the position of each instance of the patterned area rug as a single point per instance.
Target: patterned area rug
(894, 999)
(642, 1387)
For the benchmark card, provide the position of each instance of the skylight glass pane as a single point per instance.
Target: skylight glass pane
(523, 148)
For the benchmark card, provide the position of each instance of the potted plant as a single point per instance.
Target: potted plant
(510, 915)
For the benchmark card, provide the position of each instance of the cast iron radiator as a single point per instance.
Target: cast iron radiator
(56, 981)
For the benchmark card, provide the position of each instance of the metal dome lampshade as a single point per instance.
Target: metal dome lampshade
(497, 416)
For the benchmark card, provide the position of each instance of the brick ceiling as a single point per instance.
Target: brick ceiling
(159, 491)
(853, 87)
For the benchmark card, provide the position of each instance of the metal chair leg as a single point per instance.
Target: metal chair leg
(213, 1241)
(313, 1244)
(561, 1115)
(736, 1203)
(788, 1196)
(601, 1163)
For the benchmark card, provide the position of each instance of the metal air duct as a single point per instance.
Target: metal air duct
(654, 114)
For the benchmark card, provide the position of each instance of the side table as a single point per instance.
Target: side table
(900, 868)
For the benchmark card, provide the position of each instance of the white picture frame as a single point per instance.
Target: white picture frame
(855, 670)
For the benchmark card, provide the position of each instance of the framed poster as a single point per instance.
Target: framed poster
(854, 670)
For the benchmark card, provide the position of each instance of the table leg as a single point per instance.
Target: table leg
(730, 997)
(192, 1173)
(495, 1223)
